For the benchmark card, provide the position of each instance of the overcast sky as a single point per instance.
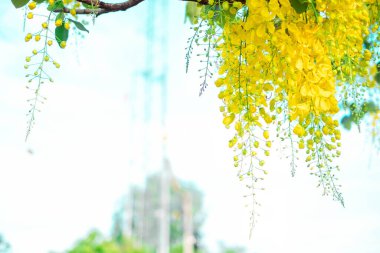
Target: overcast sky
(88, 147)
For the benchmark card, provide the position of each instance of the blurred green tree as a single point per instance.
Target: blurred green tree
(97, 243)
(4, 245)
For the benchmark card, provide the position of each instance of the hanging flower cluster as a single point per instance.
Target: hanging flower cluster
(292, 65)
(55, 17)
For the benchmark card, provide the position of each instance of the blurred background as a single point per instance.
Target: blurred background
(126, 157)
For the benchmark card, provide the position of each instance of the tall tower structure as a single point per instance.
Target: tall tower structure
(156, 104)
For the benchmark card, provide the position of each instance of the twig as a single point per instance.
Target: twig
(103, 7)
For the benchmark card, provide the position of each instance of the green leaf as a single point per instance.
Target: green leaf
(79, 25)
(372, 107)
(192, 12)
(377, 77)
(61, 16)
(299, 6)
(61, 34)
(55, 6)
(19, 3)
(39, 1)
(346, 122)
(89, 6)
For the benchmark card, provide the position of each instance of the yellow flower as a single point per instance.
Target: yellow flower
(228, 120)
(266, 134)
(299, 130)
(32, 5)
(58, 22)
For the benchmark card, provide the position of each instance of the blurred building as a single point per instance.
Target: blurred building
(139, 217)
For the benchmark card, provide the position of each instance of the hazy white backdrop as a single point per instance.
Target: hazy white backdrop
(88, 148)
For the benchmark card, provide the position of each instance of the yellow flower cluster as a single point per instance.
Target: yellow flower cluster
(286, 67)
(54, 25)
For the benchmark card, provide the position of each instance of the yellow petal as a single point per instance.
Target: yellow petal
(229, 119)
(299, 64)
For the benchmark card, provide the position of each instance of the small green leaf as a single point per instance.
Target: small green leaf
(55, 6)
(61, 34)
(89, 6)
(299, 6)
(366, 43)
(61, 16)
(192, 12)
(372, 106)
(79, 25)
(346, 122)
(377, 77)
(39, 1)
(19, 3)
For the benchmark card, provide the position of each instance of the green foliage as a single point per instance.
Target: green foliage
(192, 12)
(377, 78)
(79, 25)
(96, 243)
(231, 249)
(377, 74)
(357, 113)
(22, 3)
(179, 249)
(346, 122)
(299, 6)
(4, 246)
(19, 3)
(55, 6)
(61, 33)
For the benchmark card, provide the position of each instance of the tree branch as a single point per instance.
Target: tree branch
(205, 2)
(103, 7)
(78, 11)
(112, 7)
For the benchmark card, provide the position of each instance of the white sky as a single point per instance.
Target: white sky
(87, 151)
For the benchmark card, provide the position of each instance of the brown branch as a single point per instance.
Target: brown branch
(111, 7)
(103, 7)
(78, 11)
(205, 2)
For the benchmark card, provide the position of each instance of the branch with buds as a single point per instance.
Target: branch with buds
(100, 7)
